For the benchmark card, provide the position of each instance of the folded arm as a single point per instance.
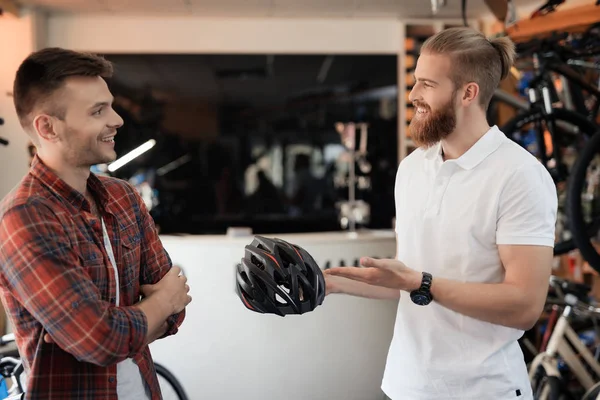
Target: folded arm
(155, 263)
(41, 270)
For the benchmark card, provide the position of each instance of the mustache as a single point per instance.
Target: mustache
(421, 104)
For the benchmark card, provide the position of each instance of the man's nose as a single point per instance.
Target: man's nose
(412, 96)
(116, 121)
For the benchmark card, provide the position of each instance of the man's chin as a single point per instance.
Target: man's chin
(423, 139)
(108, 158)
(104, 160)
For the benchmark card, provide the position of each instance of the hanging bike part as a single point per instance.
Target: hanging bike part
(436, 5)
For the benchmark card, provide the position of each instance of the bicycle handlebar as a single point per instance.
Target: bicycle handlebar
(574, 302)
(572, 294)
(565, 285)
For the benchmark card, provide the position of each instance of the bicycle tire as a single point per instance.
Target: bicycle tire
(579, 228)
(169, 377)
(593, 393)
(585, 126)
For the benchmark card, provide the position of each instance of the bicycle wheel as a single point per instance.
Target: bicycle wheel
(169, 385)
(593, 393)
(572, 130)
(584, 221)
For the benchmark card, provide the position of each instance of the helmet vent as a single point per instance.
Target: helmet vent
(278, 277)
(244, 276)
(257, 262)
(287, 259)
(262, 247)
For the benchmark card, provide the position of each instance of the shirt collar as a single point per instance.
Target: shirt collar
(485, 146)
(49, 178)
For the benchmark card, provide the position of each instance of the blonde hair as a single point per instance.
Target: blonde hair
(475, 58)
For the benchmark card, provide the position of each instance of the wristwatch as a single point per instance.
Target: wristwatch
(422, 296)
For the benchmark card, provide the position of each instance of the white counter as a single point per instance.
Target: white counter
(224, 351)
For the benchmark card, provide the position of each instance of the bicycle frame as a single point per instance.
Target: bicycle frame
(510, 99)
(559, 345)
(573, 77)
(541, 94)
(562, 69)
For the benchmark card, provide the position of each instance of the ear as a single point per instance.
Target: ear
(470, 92)
(45, 127)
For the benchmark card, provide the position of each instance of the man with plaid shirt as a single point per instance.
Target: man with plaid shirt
(84, 277)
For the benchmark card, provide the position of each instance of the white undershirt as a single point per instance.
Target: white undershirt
(130, 384)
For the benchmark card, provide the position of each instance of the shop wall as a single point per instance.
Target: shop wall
(18, 37)
(127, 34)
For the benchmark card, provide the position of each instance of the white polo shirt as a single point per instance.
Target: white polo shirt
(450, 217)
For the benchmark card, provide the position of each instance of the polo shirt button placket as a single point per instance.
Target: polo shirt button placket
(441, 183)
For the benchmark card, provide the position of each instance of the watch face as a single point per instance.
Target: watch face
(420, 299)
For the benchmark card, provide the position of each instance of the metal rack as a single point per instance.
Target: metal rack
(353, 212)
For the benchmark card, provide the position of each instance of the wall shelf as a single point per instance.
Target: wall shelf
(576, 19)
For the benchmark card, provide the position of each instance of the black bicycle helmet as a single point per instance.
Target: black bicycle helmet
(277, 277)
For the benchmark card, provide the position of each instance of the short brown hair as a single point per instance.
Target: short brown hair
(43, 72)
(474, 58)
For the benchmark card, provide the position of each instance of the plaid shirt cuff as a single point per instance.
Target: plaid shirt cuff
(174, 321)
(138, 325)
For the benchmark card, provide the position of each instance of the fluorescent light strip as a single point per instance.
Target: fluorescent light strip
(133, 154)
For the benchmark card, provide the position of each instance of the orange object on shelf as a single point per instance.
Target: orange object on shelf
(576, 19)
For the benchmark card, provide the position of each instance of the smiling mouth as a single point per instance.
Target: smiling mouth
(110, 139)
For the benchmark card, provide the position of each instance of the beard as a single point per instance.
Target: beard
(434, 126)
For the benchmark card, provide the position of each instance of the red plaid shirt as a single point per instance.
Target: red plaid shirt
(56, 278)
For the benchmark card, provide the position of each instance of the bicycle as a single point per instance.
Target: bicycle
(565, 347)
(169, 384)
(558, 134)
(11, 368)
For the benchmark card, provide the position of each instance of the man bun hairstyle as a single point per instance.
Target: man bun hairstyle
(475, 58)
(506, 49)
(43, 73)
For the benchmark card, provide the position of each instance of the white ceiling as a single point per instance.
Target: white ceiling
(270, 8)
